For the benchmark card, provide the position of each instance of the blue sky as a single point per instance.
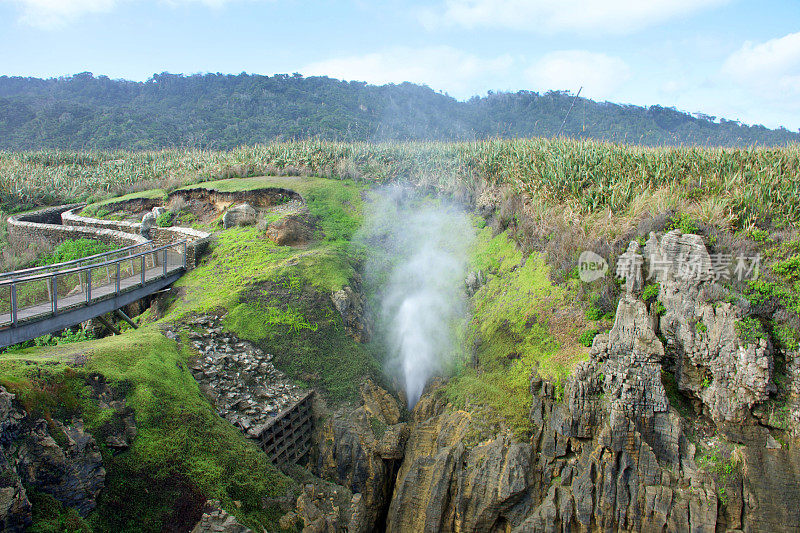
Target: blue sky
(728, 58)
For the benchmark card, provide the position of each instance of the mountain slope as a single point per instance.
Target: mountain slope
(222, 111)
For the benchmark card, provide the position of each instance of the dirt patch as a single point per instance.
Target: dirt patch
(204, 206)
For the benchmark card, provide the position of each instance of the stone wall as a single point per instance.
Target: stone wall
(42, 229)
(197, 240)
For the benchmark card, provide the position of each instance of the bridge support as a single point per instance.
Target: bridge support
(109, 326)
(65, 318)
(121, 314)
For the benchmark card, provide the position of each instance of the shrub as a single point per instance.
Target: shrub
(75, 249)
(650, 292)
(165, 219)
(684, 223)
(587, 337)
(750, 330)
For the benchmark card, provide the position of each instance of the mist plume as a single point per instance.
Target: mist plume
(417, 249)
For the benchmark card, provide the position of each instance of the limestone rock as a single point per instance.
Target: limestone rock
(360, 449)
(148, 221)
(239, 215)
(474, 281)
(712, 363)
(216, 520)
(15, 508)
(351, 305)
(72, 474)
(328, 508)
(290, 230)
(120, 430)
(380, 403)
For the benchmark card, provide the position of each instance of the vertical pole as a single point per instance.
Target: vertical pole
(13, 303)
(117, 278)
(89, 286)
(165, 261)
(54, 283)
(185, 249)
(144, 267)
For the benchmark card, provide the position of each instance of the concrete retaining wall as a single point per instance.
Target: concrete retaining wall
(198, 241)
(47, 228)
(43, 229)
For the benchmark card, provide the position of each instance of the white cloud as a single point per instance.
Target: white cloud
(49, 14)
(599, 74)
(56, 13)
(607, 16)
(770, 69)
(442, 67)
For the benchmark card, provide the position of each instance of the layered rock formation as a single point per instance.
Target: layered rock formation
(360, 449)
(612, 452)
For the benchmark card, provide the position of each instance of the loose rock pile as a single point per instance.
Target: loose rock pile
(238, 378)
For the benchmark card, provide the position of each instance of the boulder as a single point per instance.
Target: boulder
(239, 215)
(290, 230)
(148, 221)
(216, 520)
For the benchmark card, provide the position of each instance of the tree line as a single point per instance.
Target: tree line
(222, 111)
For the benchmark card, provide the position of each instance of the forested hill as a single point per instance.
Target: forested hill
(222, 111)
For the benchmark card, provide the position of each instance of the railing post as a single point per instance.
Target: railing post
(185, 249)
(117, 282)
(13, 303)
(144, 267)
(165, 262)
(89, 286)
(54, 285)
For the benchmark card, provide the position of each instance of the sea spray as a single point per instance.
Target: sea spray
(417, 249)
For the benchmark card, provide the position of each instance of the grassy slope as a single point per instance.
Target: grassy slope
(516, 325)
(184, 451)
(182, 446)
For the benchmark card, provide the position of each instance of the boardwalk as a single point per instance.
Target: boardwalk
(38, 301)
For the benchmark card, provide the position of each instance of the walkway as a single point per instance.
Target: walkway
(37, 301)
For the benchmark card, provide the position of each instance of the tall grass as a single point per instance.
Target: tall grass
(754, 184)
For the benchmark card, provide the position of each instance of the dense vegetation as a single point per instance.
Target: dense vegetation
(732, 187)
(223, 111)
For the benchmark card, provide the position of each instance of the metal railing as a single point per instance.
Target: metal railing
(36, 292)
(75, 263)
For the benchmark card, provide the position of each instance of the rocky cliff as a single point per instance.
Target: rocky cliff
(667, 427)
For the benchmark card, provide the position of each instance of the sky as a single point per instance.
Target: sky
(735, 59)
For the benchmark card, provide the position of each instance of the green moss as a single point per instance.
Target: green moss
(49, 516)
(298, 324)
(587, 337)
(511, 330)
(750, 330)
(676, 399)
(378, 426)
